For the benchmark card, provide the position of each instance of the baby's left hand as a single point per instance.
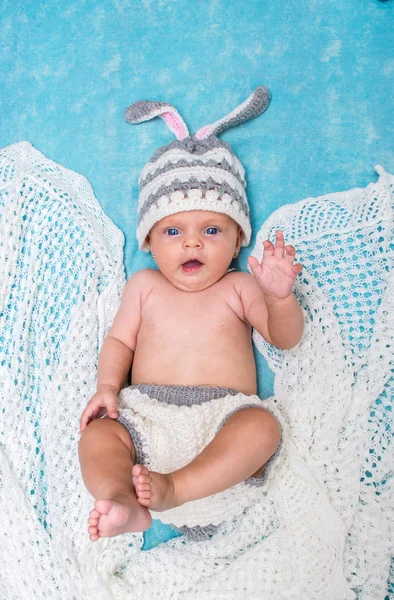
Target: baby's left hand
(276, 273)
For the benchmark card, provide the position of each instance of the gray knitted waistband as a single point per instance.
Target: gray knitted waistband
(184, 395)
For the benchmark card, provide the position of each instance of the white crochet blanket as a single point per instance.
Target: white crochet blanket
(324, 528)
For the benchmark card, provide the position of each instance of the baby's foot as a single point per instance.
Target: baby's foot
(154, 490)
(114, 517)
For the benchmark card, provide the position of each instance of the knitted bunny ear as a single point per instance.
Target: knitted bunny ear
(144, 110)
(254, 106)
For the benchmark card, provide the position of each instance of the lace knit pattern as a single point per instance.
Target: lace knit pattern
(322, 528)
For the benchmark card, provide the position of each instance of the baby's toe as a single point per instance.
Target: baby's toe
(144, 487)
(140, 470)
(94, 514)
(92, 530)
(93, 522)
(143, 481)
(103, 507)
(137, 470)
(144, 501)
(144, 495)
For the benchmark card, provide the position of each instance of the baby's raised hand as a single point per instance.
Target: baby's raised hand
(276, 273)
(104, 398)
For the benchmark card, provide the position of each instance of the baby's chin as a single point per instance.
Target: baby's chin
(194, 284)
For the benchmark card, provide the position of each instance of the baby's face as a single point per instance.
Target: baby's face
(205, 236)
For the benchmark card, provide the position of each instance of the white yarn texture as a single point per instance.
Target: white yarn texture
(171, 436)
(323, 528)
(170, 203)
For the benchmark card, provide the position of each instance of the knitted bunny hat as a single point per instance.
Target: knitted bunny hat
(195, 172)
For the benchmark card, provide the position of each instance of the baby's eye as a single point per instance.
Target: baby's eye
(209, 229)
(171, 230)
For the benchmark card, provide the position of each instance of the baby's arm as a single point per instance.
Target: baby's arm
(269, 302)
(117, 351)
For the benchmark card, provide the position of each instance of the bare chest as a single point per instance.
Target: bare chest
(178, 316)
(194, 338)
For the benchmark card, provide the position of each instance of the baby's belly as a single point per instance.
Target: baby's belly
(181, 364)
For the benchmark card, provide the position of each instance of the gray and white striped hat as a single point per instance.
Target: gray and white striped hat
(195, 172)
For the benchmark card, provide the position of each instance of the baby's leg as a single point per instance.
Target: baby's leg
(239, 450)
(107, 455)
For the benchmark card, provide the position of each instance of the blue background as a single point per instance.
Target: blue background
(69, 69)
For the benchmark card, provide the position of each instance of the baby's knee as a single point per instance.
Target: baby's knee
(272, 427)
(267, 427)
(97, 427)
(100, 431)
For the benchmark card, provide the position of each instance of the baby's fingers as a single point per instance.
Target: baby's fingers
(279, 244)
(290, 254)
(111, 408)
(297, 268)
(290, 257)
(84, 420)
(254, 265)
(268, 249)
(87, 415)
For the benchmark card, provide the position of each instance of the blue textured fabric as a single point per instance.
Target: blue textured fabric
(68, 71)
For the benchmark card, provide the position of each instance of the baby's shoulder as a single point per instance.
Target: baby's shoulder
(142, 276)
(141, 281)
(246, 287)
(238, 287)
(238, 279)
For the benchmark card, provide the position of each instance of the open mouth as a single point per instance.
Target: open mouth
(191, 266)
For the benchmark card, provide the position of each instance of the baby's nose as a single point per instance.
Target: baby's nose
(193, 241)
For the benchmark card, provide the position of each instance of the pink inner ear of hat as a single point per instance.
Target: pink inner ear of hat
(201, 133)
(174, 125)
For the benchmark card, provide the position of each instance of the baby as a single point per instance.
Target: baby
(190, 426)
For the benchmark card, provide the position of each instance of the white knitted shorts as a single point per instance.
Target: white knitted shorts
(170, 426)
